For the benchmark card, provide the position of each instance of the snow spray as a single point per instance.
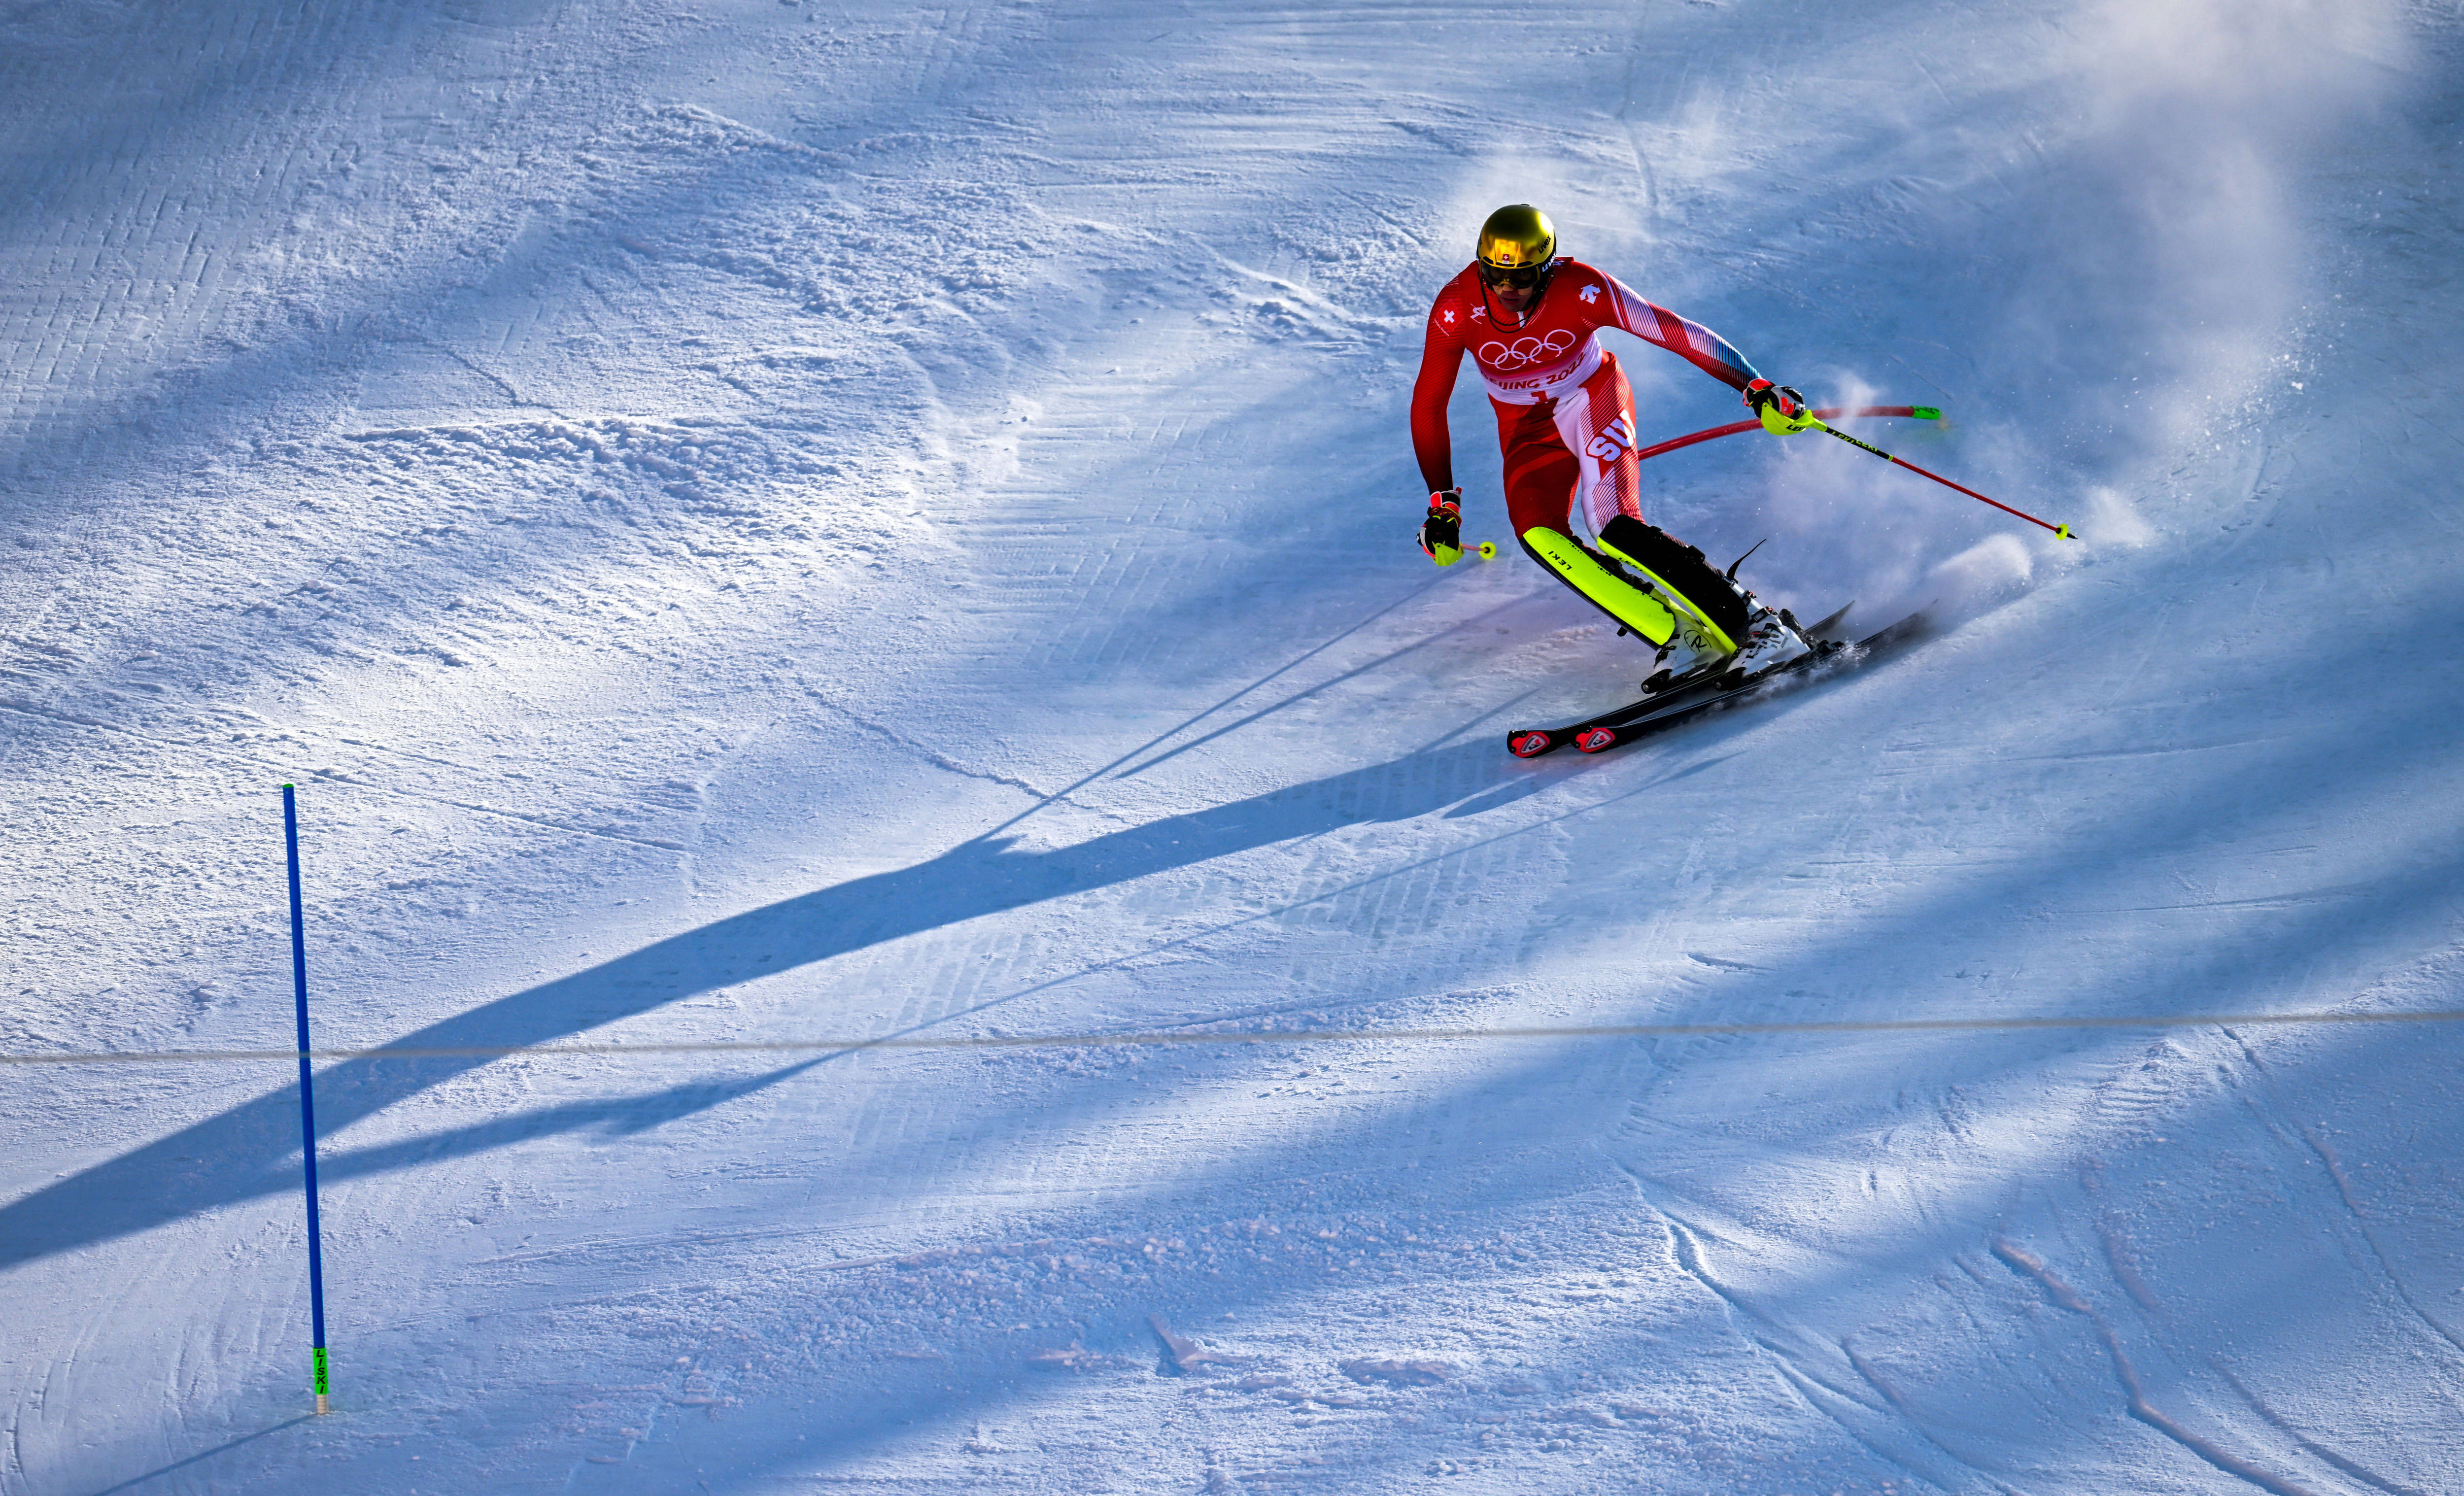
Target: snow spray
(307, 1100)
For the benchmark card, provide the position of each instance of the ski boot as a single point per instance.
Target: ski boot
(1688, 656)
(1772, 640)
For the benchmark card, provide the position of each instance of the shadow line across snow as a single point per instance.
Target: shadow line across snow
(1511, 1155)
(253, 1148)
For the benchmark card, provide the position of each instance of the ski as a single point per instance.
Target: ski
(1822, 630)
(1530, 742)
(1660, 711)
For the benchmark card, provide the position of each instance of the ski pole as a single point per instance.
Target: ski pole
(2062, 530)
(1674, 443)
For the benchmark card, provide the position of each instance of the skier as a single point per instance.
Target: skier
(1530, 320)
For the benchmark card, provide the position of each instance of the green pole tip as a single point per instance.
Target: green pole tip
(2064, 532)
(1926, 412)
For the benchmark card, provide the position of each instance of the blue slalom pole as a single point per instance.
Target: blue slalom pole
(307, 1097)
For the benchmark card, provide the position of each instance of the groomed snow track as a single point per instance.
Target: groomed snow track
(758, 527)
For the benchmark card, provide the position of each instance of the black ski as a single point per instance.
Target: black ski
(1530, 742)
(1658, 713)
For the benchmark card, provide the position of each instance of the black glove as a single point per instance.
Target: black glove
(1782, 410)
(1441, 532)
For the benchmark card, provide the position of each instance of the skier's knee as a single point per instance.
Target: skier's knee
(1525, 535)
(1598, 582)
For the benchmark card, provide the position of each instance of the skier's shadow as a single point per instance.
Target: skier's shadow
(251, 1149)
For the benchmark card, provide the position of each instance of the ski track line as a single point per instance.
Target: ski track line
(2361, 1222)
(2309, 1445)
(1756, 1328)
(2302, 1136)
(2027, 1264)
(1908, 1415)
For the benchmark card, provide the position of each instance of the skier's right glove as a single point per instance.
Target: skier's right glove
(1782, 410)
(1441, 532)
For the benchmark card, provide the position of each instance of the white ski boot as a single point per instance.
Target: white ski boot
(1688, 655)
(1771, 641)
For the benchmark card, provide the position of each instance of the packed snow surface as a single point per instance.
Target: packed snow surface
(759, 526)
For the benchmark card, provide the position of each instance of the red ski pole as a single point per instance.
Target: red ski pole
(1674, 443)
(2062, 530)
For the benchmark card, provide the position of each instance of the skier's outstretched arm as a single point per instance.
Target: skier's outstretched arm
(1688, 340)
(1782, 410)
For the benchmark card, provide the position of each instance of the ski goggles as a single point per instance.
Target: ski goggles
(1522, 278)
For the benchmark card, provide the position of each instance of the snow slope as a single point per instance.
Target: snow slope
(767, 524)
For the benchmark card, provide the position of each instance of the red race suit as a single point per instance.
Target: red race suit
(1565, 414)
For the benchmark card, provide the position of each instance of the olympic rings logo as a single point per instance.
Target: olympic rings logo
(1524, 352)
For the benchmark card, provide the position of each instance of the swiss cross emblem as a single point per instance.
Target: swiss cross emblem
(1450, 315)
(1591, 293)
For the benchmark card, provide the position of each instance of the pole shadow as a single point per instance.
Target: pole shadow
(254, 1146)
(134, 1481)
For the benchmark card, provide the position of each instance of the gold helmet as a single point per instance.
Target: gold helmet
(1517, 237)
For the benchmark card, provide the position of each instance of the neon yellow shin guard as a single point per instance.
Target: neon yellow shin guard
(1675, 598)
(1621, 600)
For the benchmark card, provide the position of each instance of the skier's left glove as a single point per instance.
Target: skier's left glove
(1782, 410)
(1441, 532)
